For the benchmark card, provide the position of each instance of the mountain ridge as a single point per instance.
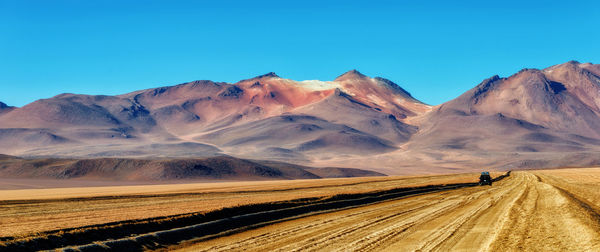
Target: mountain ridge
(126, 169)
(502, 122)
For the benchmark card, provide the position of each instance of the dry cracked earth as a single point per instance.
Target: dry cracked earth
(529, 211)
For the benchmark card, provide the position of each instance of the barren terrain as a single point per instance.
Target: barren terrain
(527, 212)
(532, 119)
(36, 210)
(539, 210)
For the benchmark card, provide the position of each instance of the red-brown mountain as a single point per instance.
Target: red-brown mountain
(265, 117)
(532, 119)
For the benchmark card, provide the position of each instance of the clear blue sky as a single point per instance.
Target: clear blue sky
(434, 49)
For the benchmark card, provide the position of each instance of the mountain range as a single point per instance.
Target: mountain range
(532, 119)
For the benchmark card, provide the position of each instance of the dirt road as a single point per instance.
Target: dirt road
(27, 211)
(526, 212)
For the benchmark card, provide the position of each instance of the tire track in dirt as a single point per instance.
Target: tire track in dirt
(388, 219)
(156, 233)
(401, 230)
(367, 223)
(522, 213)
(322, 229)
(319, 241)
(549, 220)
(445, 231)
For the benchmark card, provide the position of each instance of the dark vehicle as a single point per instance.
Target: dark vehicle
(485, 179)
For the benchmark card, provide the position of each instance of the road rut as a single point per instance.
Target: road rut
(521, 213)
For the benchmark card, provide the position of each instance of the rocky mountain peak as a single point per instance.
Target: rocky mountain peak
(350, 75)
(267, 75)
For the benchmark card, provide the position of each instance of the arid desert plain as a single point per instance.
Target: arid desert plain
(534, 210)
(264, 125)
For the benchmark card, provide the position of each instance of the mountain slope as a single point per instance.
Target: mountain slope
(353, 115)
(563, 97)
(298, 135)
(222, 167)
(344, 108)
(532, 119)
(5, 108)
(550, 115)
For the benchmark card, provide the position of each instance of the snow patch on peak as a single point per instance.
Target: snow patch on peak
(318, 85)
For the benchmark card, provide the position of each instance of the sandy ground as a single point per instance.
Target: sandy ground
(530, 211)
(30, 183)
(27, 211)
(546, 210)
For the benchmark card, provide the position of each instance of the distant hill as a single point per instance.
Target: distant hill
(214, 168)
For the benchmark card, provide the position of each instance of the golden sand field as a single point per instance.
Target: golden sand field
(540, 210)
(527, 212)
(35, 210)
